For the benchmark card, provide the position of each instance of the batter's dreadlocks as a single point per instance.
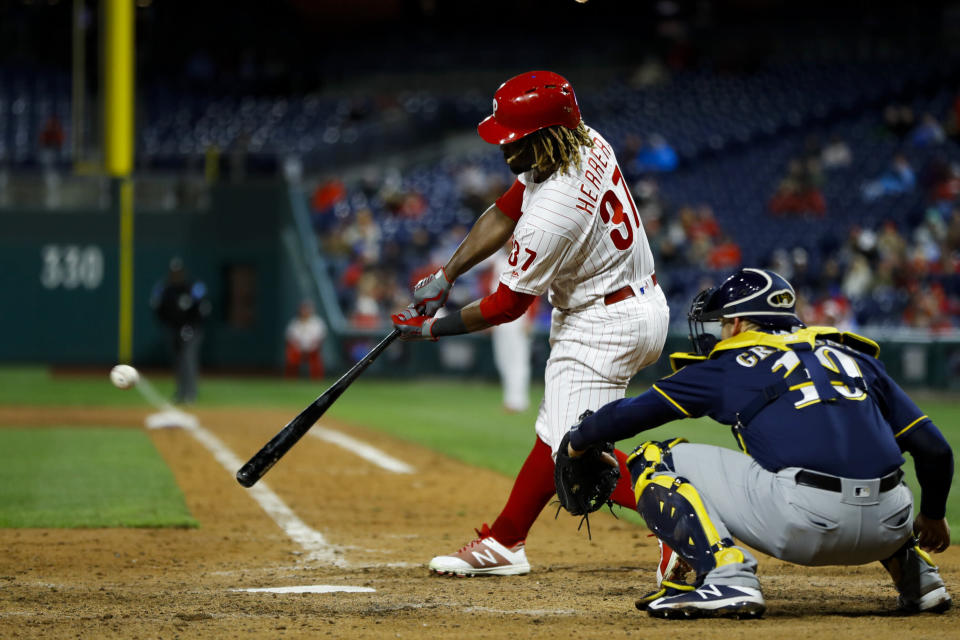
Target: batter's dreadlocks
(556, 148)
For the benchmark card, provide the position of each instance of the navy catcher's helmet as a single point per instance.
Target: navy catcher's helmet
(759, 295)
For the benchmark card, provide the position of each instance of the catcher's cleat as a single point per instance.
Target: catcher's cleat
(935, 601)
(710, 601)
(918, 580)
(666, 589)
(483, 557)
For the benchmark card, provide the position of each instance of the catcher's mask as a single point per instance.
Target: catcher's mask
(759, 295)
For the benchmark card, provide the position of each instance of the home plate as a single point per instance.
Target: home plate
(310, 588)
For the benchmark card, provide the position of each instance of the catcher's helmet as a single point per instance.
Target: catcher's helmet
(529, 102)
(759, 295)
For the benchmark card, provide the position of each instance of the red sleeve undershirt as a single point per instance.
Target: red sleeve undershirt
(504, 305)
(511, 201)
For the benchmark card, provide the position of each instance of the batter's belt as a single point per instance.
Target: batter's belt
(835, 484)
(623, 293)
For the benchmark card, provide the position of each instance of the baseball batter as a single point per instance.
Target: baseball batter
(576, 235)
(822, 428)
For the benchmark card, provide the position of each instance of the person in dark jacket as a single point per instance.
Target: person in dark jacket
(181, 305)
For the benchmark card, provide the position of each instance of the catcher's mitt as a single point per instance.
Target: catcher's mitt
(584, 484)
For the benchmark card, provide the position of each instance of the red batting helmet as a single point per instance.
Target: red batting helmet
(527, 103)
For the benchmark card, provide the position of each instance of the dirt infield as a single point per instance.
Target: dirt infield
(380, 529)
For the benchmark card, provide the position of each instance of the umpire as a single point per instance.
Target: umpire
(182, 306)
(822, 428)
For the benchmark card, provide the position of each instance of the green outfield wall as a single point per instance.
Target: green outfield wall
(59, 271)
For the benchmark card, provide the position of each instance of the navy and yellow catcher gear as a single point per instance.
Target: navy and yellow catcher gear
(759, 295)
(674, 511)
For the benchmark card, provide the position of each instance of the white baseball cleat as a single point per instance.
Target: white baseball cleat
(711, 601)
(483, 557)
(936, 601)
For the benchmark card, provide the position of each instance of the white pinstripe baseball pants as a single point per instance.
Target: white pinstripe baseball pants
(594, 352)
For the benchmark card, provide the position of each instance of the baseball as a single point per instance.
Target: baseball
(123, 376)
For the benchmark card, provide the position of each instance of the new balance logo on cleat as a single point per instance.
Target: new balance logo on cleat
(710, 601)
(483, 556)
(666, 588)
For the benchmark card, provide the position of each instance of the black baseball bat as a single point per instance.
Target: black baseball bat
(278, 446)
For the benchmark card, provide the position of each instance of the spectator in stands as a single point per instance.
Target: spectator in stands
(725, 255)
(363, 236)
(804, 308)
(647, 197)
(835, 311)
(403, 202)
(799, 191)
(304, 337)
(897, 179)
(890, 243)
(858, 279)
(781, 263)
(327, 194)
(51, 139)
(928, 132)
(945, 187)
(704, 223)
(803, 277)
(928, 238)
(952, 240)
(673, 245)
(836, 154)
(478, 187)
(656, 156)
(831, 278)
(366, 313)
(898, 119)
(928, 309)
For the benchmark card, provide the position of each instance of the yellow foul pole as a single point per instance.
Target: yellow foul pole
(118, 74)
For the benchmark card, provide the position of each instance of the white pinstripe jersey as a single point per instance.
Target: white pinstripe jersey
(580, 235)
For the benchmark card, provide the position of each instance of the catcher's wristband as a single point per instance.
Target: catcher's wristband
(449, 325)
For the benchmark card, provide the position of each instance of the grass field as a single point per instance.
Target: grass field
(70, 477)
(462, 419)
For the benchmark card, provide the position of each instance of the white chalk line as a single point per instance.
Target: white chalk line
(367, 452)
(313, 542)
(522, 612)
(309, 539)
(150, 395)
(311, 588)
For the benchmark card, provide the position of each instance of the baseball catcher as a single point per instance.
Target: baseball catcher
(822, 428)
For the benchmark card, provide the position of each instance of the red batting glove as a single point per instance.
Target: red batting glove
(413, 326)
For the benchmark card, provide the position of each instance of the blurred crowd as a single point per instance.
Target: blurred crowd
(376, 259)
(902, 271)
